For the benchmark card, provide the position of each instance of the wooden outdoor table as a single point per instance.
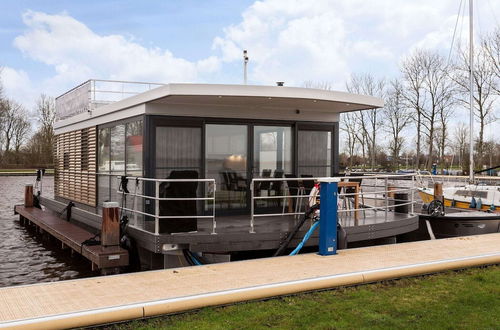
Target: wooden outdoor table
(355, 185)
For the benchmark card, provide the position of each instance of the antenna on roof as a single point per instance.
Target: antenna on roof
(245, 62)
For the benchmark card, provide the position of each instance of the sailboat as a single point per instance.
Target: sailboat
(471, 196)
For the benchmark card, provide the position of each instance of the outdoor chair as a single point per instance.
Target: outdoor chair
(179, 207)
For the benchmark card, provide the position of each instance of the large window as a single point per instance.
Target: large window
(226, 161)
(134, 145)
(119, 153)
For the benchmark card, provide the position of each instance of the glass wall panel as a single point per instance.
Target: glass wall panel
(103, 165)
(117, 159)
(119, 152)
(226, 161)
(177, 148)
(134, 147)
(103, 150)
(178, 156)
(272, 151)
(314, 153)
(118, 149)
(272, 159)
(134, 166)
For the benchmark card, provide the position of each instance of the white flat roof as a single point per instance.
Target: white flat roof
(207, 97)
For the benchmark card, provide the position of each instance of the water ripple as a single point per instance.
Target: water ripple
(26, 257)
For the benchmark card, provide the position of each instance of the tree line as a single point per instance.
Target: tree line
(26, 137)
(414, 124)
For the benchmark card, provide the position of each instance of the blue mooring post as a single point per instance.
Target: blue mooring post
(328, 217)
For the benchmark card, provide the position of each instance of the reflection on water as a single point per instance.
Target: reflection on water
(27, 257)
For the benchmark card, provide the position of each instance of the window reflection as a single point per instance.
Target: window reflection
(226, 161)
(111, 146)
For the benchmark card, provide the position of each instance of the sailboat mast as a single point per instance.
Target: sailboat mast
(471, 92)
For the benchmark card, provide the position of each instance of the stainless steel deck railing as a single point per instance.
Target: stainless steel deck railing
(209, 195)
(156, 215)
(375, 193)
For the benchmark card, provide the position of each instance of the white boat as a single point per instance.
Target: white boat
(470, 196)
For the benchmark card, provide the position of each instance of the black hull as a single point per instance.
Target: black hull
(463, 224)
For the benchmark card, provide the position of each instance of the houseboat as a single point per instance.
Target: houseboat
(221, 171)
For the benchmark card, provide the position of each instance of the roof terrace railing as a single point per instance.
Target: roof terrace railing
(94, 93)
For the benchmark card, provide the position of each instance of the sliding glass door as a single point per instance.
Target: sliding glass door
(226, 153)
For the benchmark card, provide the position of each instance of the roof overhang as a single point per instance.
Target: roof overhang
(231, 96)
(265, 97)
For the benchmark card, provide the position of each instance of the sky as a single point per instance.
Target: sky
(51, 46)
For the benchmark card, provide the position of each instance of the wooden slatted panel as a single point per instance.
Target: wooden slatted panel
(75, 165)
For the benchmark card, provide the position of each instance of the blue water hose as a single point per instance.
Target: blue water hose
(195, 260)
(306, 237)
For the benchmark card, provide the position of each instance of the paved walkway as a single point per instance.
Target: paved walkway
(122, 297)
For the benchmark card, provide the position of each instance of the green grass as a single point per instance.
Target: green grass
(468, 299)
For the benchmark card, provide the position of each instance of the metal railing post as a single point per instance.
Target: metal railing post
(252, 230)
(214, 223)
(157, 207)
(386, 197)
(412, 194)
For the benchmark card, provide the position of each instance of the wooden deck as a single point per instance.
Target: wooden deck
(72, 236)
(98, 300)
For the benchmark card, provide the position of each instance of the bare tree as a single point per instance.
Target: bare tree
(1, 84)
(491, 46)
(484, 90)
(348, 124)
(46, 112)
(398, 118)
(368, 119)
(10, 111)
(413, 93)
(461, 145)
(439, 90)
(20, 131)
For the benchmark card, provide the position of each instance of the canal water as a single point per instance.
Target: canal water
(27, 257)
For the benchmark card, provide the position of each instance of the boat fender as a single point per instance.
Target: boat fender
(479, 204)
(341, 237)
(36, 201)
(453, 203)
(129, 244)
(472, 204)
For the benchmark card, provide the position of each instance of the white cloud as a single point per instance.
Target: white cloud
(77, 53)
(288, 40)
(323, 40)
(17, 85)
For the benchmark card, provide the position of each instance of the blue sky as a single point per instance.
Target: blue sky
(186, 28)
(51, 46)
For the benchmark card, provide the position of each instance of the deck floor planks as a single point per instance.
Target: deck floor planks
(74, 236)
(56, 298)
